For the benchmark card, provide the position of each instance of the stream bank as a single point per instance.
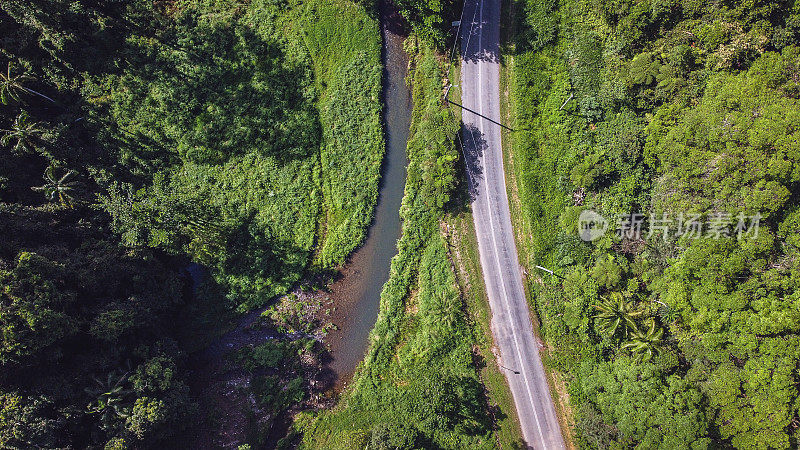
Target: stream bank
(356, 295)
(346, 310)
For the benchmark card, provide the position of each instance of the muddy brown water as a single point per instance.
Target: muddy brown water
(357, 294)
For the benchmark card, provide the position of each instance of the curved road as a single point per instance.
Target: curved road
(511, 324)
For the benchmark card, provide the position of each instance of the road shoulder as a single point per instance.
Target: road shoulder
(522, 229)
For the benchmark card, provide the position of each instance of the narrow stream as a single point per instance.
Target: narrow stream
(358, 292)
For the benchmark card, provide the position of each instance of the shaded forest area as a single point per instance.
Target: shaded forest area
(677, 108)
(139, 137)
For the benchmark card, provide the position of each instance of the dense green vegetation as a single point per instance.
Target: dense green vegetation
(253, 170)
(345, 46)
(664, 107)
(418, 386)
(138, 137)
(430, 19)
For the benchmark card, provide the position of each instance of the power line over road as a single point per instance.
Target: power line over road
(511, 324)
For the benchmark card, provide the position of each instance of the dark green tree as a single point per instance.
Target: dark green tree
(33, 310)
(11, 86)
(110, 402)
(644, 342)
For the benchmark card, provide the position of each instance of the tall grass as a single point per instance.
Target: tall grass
(345, 45)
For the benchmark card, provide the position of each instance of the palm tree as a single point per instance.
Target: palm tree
(22, 132)
(109, 399)
(11, 85)
(58, 188)
(644, 344)
(617, 315)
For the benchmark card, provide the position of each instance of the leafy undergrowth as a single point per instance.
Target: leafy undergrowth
(254, 163)
(345, 44)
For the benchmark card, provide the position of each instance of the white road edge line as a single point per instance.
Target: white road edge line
(494, 236)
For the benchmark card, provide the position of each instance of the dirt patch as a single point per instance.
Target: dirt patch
(230, 413)
(566, 419)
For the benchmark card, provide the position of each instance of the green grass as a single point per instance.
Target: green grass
(279, 148)
(345, 44)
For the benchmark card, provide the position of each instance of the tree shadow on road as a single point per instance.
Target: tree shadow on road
(470, 51)
(474, 146)
(469, 171)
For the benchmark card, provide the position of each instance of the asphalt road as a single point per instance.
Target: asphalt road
(511, 324)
